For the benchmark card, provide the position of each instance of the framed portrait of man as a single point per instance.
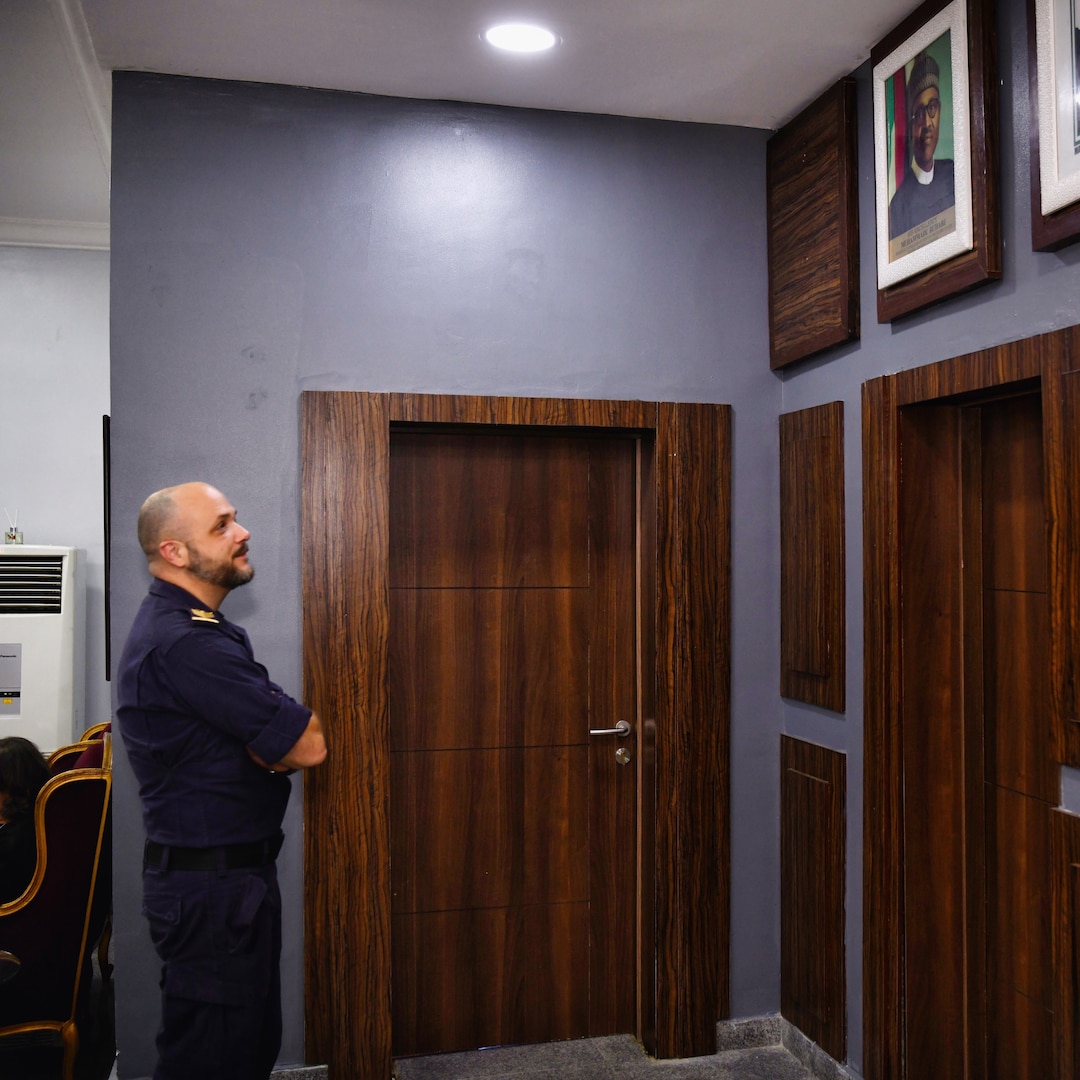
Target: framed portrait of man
(923, 141)
(1055, 119)
(935, 111)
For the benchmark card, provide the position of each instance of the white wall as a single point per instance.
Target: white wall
(54, 391)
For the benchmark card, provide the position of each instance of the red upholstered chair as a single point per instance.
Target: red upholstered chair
(64, 758)
(47, 935)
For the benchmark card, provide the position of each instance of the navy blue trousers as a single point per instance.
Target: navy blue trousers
(218, 934)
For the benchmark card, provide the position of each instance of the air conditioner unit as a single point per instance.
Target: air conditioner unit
(41, 664)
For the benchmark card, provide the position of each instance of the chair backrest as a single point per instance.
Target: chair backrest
(51, 927)
(85, 753)
(65, 757)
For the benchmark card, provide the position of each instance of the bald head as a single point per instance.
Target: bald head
(163, 517)
(190, 536)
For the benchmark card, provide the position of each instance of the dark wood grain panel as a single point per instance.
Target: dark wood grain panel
(1060, 353)
(1018, 897)
(1014, 553)
(518, 828)
(489, 852)
(883, 850)
(813, 840)
(935, 837)
(1018, 730)
(501, 513)
(1043, 362)
(1023, 1038)
(346, 439)
(970, 875)
(468, 650)
(488, 993)
(988, 369)
(1065, 942)
(649, 694)
(511, 411)
(813, 228)
(812, 566)
(345, 503)
(613, 787)
(693, 454)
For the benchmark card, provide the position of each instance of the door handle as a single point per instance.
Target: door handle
(622, 729)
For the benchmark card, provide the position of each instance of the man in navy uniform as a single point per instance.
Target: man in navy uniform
(211, 740)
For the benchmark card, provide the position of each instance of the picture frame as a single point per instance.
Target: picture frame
(937, 219)
(1054, 95)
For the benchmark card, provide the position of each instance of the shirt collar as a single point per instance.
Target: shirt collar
(922, 177)
(174, 593)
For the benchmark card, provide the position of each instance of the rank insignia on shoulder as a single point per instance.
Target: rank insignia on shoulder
(198, 615)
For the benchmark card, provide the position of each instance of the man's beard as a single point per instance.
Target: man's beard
(226, 575)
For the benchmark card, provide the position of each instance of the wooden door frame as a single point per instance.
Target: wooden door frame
(684, 562)
(1054, 359)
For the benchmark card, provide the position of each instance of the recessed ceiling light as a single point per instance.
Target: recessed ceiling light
(520, 37)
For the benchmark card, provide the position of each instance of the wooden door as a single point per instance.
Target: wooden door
(979, 778)
(683, 516)
(512, 829)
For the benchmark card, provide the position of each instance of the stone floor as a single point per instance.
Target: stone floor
(618, 1057)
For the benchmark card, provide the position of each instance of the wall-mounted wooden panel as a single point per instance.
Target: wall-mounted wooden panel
(813, 837)
(812, 623)
(813, 223)
(1066, 943)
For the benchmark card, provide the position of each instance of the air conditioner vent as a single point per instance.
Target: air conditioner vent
(31, 584)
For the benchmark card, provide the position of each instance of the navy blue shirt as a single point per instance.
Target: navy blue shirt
(191, 700)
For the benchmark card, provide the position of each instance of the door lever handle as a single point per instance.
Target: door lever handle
(622, 729)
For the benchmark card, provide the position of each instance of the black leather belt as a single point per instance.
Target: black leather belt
(227, 857)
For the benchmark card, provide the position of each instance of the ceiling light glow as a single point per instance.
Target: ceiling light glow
(520, 37)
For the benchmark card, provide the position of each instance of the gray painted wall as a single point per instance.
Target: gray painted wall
(54, 356)
(267, 240)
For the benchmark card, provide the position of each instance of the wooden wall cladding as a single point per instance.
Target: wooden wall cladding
(1066, 939)
(813, 837)
(1061, 424)
(685, 468)
(812, 568)
(1051, 363)
(813, 224)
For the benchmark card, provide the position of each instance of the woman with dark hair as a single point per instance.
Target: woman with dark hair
(23, 772)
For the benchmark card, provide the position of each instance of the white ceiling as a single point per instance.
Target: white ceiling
(752, 63)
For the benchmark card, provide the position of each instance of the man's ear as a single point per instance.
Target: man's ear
(174, 552)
